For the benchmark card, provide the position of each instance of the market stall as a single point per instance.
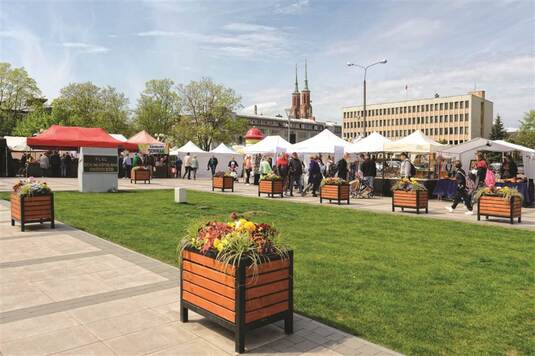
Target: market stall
(224, 155)
(194, 150)
(270, 145)
(156, 153)
(324, 142)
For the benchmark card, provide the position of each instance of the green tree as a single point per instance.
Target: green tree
(158, 108)
(498, 131)
(87, 105)
(526, 133)
(36, 121)
(208, 110)
(17, 92)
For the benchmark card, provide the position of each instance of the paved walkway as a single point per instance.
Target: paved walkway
(377, 204)
(67, 292)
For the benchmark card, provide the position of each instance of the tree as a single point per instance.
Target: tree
(208, 110)
(17, 91)
(526, 133)
(87, 105)
(36, 121)
(498, 131)
(158, 108)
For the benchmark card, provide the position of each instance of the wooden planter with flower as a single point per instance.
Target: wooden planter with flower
(140, 174)
(32, 202)
(502, 203)
(222, 181)
(334, 189)
(271, 185)
(239, 295)
(410, 194)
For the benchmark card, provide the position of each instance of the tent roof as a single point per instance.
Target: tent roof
(416, 142)
(222, 148)
(17, 143)
(324, 142)
(143, 137)
(270, 144)
(119, 137)
(68, 137)
(476, 144)
(189, 147)
(515, 146)
(375, 142)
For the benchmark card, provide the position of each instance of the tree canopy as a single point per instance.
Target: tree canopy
(498, 131)
(526, 133)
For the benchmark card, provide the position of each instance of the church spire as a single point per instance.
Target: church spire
(296, 90)
(306, 76)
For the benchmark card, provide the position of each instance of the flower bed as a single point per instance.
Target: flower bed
(409, 193)
(503, 202)
(237, 275)
(271, 184)
(140, 173)
(32, 202)
(222, 180)
(334, 189)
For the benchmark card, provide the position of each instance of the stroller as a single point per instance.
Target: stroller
(360, 188)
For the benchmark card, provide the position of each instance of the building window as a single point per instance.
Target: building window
(461, 104)
(455, 117)
(455, 130)
(441, 106)
(456, 105)
(441, 131)
(436, 107)
(451, 105)
(465, 117)
(460, 128)
(466, 104)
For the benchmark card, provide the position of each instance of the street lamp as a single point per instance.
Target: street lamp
(365, 114)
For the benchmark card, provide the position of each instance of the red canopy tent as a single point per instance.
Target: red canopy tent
(72, 137)
(143, 137)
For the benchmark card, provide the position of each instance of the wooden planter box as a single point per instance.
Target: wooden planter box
(334, 192)
(140, 174)
(270, 187)
(499, 207)
(35, 209)
(222, 183)
(235, 298)
(414, 199)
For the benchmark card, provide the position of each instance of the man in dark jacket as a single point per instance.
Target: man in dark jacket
(342, 167)
(295, 167)
(55, 163)
(212, 164)
(461, 194)
(369, 170)
(314, 176)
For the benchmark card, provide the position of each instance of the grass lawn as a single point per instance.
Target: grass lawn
(416, 285)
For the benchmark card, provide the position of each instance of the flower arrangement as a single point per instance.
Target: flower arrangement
(222, 174)
(503, 192)
(271, 177)
(230, 242)
(31, 187)
(333, 181)
(407, 185)
(138, 167)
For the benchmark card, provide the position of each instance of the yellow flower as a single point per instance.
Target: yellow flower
(249, 226)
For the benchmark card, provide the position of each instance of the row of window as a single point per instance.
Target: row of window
(429, 132)
(409, 109)
(407, 121)
(294, 125)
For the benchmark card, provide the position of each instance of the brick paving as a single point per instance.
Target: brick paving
(67, 292)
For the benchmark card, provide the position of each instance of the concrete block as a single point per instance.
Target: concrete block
(181, 196)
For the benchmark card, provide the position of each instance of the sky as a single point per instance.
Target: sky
(448, 47)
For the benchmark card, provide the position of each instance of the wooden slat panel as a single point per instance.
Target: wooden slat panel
(209, 284)
(265, 312)
(208, 295)
(208, 273)
(211, 307)
(44, 198)
(208, 262)
(268, 277)
(270, 266)
(258, 303)
(256, 292)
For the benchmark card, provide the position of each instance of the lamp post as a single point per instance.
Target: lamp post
(288, 116)
(365, 114)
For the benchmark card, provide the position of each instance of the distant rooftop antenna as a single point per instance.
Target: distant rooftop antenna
(475, 85)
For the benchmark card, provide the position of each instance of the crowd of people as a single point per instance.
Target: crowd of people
(51, 164)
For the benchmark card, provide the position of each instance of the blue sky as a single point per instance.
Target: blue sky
(252, 46)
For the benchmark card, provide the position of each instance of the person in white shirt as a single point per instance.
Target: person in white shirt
(187, 166)
(406, 165)
(44, 163)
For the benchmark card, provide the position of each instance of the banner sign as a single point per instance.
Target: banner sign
(154, 148)
(100, 164)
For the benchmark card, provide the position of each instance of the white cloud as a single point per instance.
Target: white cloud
(417, 29)
(85, 47)
(157, 33)
(267, 108)
(293, 8)
(247, 27)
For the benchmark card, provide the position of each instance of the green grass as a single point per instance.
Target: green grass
(416, 285)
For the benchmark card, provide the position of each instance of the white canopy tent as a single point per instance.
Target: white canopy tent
(223, 149)
(224, 154)
(465, 152)
(188, 147)
(270, 144)
(324, 142)
(416, 142)
(375, 142)
(194, 150)
(18, 144)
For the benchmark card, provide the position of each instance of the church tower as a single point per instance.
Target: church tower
(295, 110)
(306, 107)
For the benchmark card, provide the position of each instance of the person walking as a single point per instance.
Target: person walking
(265, 167)
(256, 168)
(342, 167)
(314, 176)
(461, 195)
(295, 171)
(212, 164)
(481, 169)
(369, 170)
(187, 166)
(136, 161)
(282, 169)
(194, 166)
(406, 167)
(178, 167)
(127, 166)
(248, 167)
